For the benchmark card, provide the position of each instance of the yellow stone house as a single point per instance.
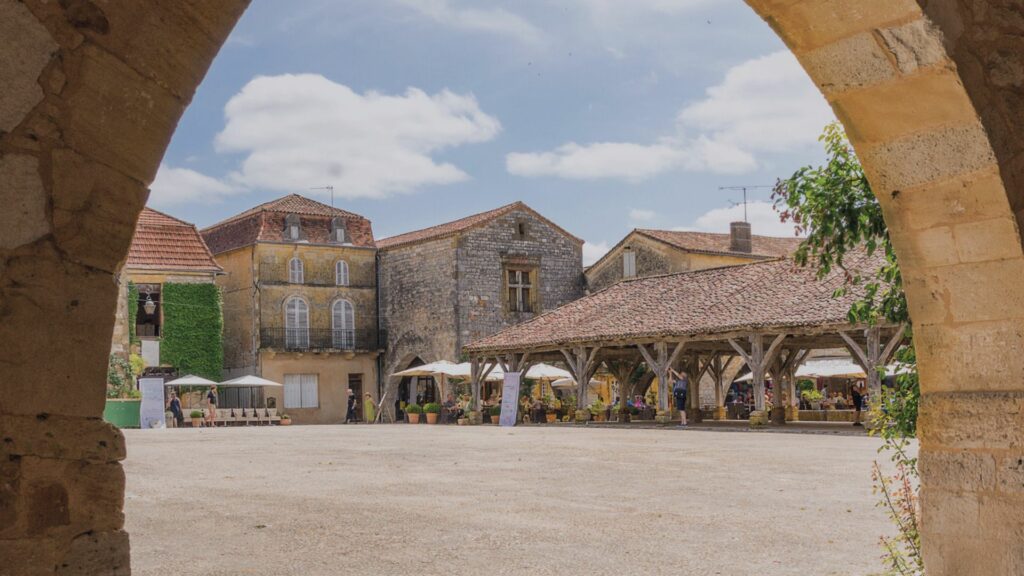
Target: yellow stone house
(300, 300)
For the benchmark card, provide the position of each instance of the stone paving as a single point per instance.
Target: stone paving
(423, 499)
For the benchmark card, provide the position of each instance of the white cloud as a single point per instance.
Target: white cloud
(181, 185)
(299, 131)
(763, 218)
(767, 105)
(641, 215)
(629, 161)
(497, 21)
(592, 252)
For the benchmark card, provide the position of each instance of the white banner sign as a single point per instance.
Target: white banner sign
(510, 398)
(151, 412)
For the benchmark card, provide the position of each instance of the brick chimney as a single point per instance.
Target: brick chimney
(739, 237)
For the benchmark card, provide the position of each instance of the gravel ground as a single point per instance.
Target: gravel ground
(400, 499)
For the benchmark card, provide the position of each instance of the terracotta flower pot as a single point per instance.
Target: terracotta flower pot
(413, 418)
(286, 422)
(431, 418)
(196, 422)
(551, 417)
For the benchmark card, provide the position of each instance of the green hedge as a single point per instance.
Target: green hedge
(192, 329)
(133, 311)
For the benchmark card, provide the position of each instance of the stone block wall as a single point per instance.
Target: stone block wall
(482, 306)
(418, 303)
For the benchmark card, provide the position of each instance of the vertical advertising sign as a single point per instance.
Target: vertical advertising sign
(151, 411)
(510, 398)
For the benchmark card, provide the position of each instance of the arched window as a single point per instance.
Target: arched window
(341, 273)
(343, 323)
(296, 324)
(295, 271)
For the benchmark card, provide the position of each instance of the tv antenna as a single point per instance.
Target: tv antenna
(745, 188)
(331, 188)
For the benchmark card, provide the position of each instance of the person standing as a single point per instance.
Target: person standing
(857, 394)
(369, 409)
(211, 401)
(350, 413)
(679, 390)
(174, 405)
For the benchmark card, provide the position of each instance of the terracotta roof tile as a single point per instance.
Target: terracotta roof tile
(712, 243)
(770, 294)
(456, 226)
(162, 242)
(265, 222)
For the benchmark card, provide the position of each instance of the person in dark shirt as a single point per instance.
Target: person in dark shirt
(857, 393)
(350, 414)
(211, 399)
(174, 405)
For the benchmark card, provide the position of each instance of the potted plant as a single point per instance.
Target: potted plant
(286, 420)
(432, 409)
(197, 418)
(496, 414)
(413, 411)
(464, 420)
(813, 398)
(597, 411)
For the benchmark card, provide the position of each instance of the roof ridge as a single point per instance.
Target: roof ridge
(268, 207)
(460, 224)
(165, 215)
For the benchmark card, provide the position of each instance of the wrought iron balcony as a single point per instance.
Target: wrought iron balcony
(316, 339)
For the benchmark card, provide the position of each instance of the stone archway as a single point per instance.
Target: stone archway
(931, 93)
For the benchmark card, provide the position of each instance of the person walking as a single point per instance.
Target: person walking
(857, 394)
(350, 414)
(174, 405)
(211, 401)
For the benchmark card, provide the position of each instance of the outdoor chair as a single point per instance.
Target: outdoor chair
(274, 418)
(224, 416)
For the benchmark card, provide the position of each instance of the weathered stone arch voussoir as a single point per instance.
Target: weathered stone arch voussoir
(931, 93)
(90, 94)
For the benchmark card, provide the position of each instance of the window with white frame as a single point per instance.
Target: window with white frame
(343, 324)
(296, 272)
(301, 391)
(628, 264)
(338, 233)
(296, 324)
(341, 273)
(292, 227)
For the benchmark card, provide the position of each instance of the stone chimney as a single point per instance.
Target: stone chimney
(739, 237)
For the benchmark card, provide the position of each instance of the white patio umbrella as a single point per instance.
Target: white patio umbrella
(190, 380)
(570, 383)
(249, 381)
(440, 370)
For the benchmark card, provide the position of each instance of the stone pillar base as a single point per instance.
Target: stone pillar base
(663, 418)
(758, 418)
(793, 413)
(476, 418)
(623, 417)
(694, 416)
(721, 413)
(778, 415)
(583, 416)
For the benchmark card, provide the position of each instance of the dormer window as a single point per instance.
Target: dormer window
(338, 232)
(292, 227)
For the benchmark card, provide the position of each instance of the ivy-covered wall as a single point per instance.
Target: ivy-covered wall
(133, 310)
(192, 329)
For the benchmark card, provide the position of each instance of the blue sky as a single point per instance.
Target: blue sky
(604, 115)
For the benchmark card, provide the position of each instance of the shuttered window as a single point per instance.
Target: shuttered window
(295, 271)
(301, 391)
(628, 264)
(343, 322)
(296, 323)
(341, 273)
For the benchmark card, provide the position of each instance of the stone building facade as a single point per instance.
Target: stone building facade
(451, 284)
(644, 253)
(300, 294)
